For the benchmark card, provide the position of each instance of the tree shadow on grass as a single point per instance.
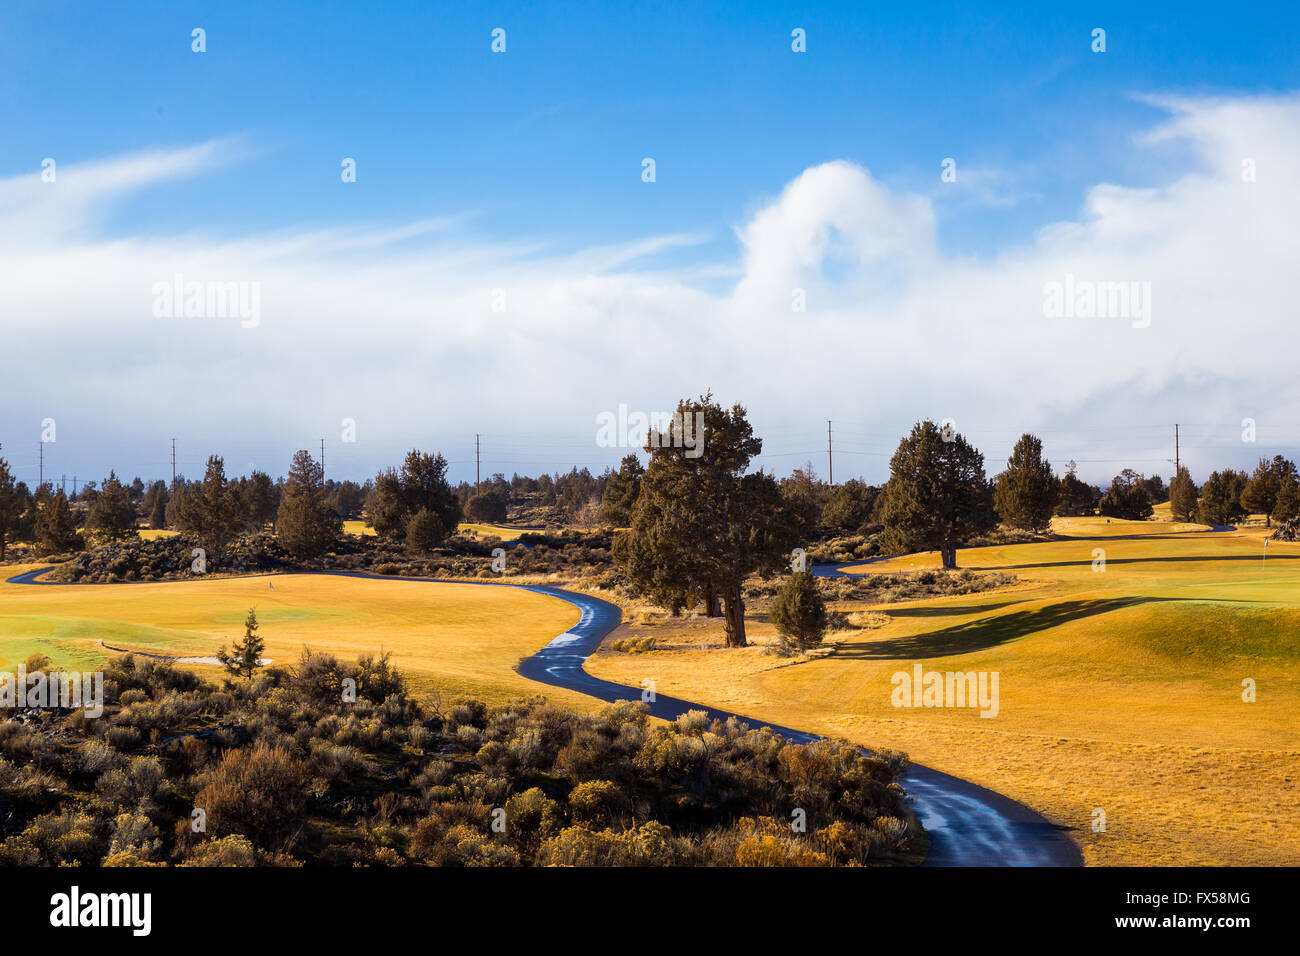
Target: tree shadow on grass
(947, 610)
(988, 632)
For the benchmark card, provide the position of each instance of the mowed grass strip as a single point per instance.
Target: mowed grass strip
(1120, 690)
(460, 640)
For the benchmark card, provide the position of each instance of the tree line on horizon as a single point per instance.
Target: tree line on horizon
(218, 508)
(690, 529)
(695, 527)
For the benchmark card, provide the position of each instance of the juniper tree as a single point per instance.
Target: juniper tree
(1077, 498)
(260, 501)
(701, 523)
(1288, 498)
(11, 507)
(424, 532)
(937, 497)
(849, 506)
(1263, 487)
(799, 611)
(1025, 495)
(209, 508)
(398, 495)
(245, 657)
(112, 516)
(1182, 495)
(621, 492)
(489, 506)
(54, 531)
(1127, 498)
(1220, 502)
(304, 525)
(154, 504)
(805, 496)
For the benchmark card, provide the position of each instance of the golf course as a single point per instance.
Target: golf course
(1121, 648)
(458, 640)
(1121, 685)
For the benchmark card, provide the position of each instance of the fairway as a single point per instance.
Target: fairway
(1120, 689)
(462, 640)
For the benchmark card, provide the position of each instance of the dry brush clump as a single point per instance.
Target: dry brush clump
(332, 763)
(460, 556)
(911, 585)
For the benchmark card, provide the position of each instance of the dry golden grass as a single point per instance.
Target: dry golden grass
(493, 530)
(1119, 690)
(461, 640)
(359, 529)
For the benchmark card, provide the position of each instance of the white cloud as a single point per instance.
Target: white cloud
(393, 325)
(61, 199)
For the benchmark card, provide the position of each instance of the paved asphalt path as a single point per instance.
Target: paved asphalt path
(967, 824)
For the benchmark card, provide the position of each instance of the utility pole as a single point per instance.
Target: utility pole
(63, 484)
(173, 464)
(322, 462)
(74, 486)
(1177, 466)
(477, 478)
(830, 461)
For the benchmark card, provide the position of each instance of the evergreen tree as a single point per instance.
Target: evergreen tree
(1182, 495)
(1263, 487)
(1157, 493)
(1077, 498)
(938, 497)
(1287, 507)
(701, 525)
(209, 508)
(26, 528)
(1127, 498)
(489, 506)
(54, 530)
(799, 611)
(347, 500)
(305, 526)
(112, 516)
(155, 505)
(245, 657)
(424, 532)
(260, 501)
(11, 507)
(176, 507)
(1026, 494)
(621, 491)
(805, 497)
(398, 496)
(1221, 498)
(849, 507)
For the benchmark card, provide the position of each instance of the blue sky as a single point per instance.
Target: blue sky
(542, 146)
(551, 133)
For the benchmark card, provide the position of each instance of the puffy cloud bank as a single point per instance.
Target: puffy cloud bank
(425, 337)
